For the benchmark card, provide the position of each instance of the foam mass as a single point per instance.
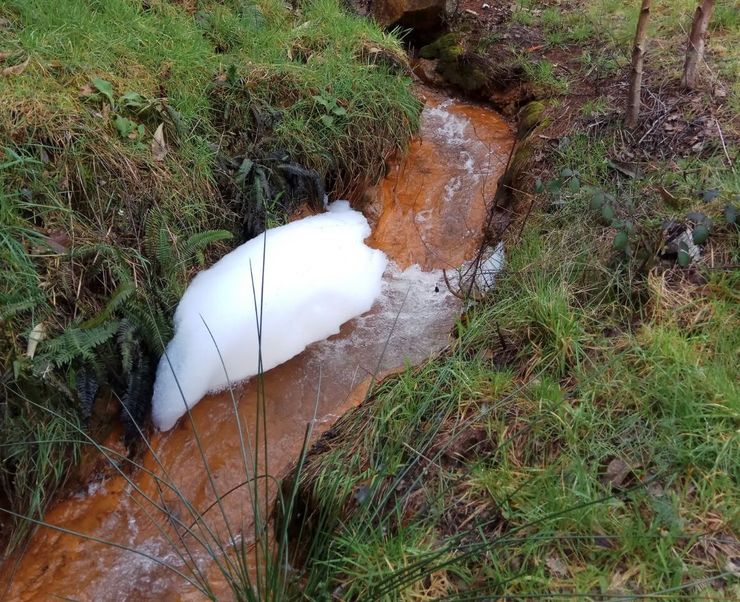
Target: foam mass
(318, 273)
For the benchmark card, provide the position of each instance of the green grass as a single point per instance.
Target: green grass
(98, 235)
(542, 73)
(499, 481)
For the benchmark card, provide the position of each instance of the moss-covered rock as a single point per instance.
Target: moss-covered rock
(446, 48)
(530, 116)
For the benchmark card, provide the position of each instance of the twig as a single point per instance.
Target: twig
(724, 146)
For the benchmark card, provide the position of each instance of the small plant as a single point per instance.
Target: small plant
(332, 109)
(569, 180)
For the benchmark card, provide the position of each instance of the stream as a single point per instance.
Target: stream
(427, 214)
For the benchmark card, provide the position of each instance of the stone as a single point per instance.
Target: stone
(426, 71)
(419, 15)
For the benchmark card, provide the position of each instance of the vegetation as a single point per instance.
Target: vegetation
(578, 440)
(139, 141)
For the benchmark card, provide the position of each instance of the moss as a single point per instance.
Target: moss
(530, 116)
(469, 78)
(446, 48)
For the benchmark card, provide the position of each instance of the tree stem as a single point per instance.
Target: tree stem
(638, 56)
(695, 48)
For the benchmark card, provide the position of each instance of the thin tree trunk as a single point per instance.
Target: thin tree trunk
(697, 37)
(638, 56)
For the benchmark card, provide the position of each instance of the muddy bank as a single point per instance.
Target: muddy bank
(428, 214)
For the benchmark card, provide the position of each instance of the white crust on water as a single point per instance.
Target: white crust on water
(318, 275)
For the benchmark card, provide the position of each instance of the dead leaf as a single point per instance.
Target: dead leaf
(733, 566)
(58, 241)
(668, 198)
(37, 335)
(17, 69)
(4, 55)
(623, 168)
(619, 579)
(86, 90)
(616, 472)
(556, 566)
(159, 147)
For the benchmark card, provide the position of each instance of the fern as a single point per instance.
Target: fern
(137, 399)
(154, 326)
(128, 344)
(11, 306)
(165, 254)
(78, 343)
(117, 299)
(87, 389)
(199, 241)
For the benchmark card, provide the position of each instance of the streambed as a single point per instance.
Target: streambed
(427, 214)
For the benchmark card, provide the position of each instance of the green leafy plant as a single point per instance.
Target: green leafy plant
(331, 107)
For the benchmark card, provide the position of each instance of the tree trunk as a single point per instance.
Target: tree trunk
(638, 56)
(695, 49)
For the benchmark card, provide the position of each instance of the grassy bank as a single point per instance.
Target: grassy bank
(140, 141)
(580, 438)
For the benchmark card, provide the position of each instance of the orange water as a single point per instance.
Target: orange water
(428, 211)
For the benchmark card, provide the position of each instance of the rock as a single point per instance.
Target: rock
(448, 48)
(420, 15)
(426, 71)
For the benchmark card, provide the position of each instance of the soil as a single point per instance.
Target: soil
(673, 122)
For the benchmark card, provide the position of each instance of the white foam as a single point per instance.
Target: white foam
(411, 319)
(318, 273)
(478, 277)
(444, 125)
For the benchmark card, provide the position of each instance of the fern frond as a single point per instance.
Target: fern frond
(117, 299)
(128, 344)
(87, 389)
(78, 343)
(199, 241)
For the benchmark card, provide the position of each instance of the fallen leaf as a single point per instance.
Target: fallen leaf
(733, 566)
(556, 566)
(86, 90)
(37, 335)
(668, 198)
(56, 241)
(616, 472)
(159, 147)
(623, 168)
(619, 579)
(17, 69)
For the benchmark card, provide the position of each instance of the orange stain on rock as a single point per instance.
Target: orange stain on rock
(434, 201)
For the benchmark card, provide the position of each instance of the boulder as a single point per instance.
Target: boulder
(426, 71)
(419, 15)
